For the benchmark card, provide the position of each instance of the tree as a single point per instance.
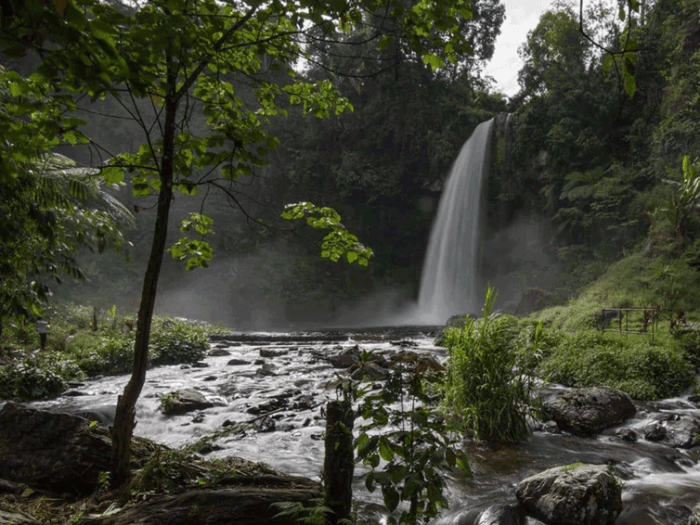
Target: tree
(167, 61)
(49, 207)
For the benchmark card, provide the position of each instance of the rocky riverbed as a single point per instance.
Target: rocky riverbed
(261, 397)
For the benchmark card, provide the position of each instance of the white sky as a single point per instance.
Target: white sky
(521, 16)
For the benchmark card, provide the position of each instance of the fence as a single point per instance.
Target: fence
(630, 320)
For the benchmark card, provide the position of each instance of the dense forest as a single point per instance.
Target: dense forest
(590, 172)
(593, 169)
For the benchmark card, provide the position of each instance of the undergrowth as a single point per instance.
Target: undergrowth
(83, 343)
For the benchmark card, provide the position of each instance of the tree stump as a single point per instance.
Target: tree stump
(339, 462)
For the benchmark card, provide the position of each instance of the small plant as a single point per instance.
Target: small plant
(313, 512)
(407, 444)
(167, 470)
(24, 382)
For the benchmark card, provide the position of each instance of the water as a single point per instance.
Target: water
(449, 280)
(660, 483)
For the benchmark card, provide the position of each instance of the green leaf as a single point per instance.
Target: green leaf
(385, 449)
(391, 498)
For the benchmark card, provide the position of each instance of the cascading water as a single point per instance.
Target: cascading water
(449, 281)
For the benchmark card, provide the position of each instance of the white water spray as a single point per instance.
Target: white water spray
(449, 281)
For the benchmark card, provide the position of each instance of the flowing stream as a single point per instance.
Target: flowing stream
(661, 483)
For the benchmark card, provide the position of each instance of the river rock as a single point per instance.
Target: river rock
(577, 494)
(53, 451)
(249, 502)
(218, 352)
(683, 433)
(587, 411)
(694, 518)
(654, 431)
(345, 359)
(187, 400)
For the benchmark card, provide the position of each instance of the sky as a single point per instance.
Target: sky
(521, 16)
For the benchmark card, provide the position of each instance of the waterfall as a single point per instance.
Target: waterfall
(449, 280)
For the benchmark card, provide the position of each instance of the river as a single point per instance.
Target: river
(660, 483)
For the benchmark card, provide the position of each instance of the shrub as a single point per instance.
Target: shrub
(642, 369)
(24, 382)
(482, 388)
(177, 341)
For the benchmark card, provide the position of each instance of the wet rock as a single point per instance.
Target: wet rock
(577, 494)
(404, 343)
(218, 351)
(551, 427)
(200, 364)
(265, 424)
(237, 362)
(73, 393)
(502, 515)
(654, 431)
(266, 352)
(587, 411)
(54, 451)
(345, 359)
(267, 406)
(627, 434)
(684, 433)
(210, 378)
(198, 418)
(267, 369)
(187, 400)
(304, 402)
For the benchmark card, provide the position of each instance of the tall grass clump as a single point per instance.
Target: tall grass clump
(483, 389)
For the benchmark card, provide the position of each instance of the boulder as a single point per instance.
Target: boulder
(345, 359)
(577, 494)
(588, 411)
(53, 451)
(187, 400)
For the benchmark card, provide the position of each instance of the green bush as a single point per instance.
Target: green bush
(24, 382)
(637, 366)
(176, 341)
(483, 388)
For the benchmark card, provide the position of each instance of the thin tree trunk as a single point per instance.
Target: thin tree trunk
(124, 422)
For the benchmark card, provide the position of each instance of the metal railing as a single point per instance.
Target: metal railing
(642, 320)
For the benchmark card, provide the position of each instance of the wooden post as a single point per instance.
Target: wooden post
(339, 462)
